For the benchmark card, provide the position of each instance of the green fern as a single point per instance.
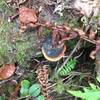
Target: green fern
(67, 68)
(92, 93)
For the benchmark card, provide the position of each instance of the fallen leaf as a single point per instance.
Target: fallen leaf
(93, 54)
(80, 32)
(92, 35)
(27, 16)
(7, 71)
(98, 47)
(86, 7)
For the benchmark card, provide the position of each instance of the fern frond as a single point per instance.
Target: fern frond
(67, 68)
(92, 93)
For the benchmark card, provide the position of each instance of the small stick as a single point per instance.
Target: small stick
(11, 18)
(85, 38)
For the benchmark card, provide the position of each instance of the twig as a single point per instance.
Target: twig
(68, 77)
(23, 97)
(64, 98)
(69, 55)
(56, 83)
(68, 85)
(1, 82)
(91, 41)
(11, 18)
(12, 78)
(61, 80)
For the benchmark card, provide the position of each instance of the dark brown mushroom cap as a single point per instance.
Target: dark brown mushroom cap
(52, 53)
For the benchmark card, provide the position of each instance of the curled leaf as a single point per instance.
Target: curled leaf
(7, 71)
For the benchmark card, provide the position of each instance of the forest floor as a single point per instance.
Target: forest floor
(49, 49)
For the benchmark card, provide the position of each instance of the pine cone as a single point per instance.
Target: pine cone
(42, 76)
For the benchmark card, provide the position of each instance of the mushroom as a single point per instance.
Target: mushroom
(53, 53)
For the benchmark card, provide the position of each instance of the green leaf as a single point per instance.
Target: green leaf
(2, 98)
(93, 86)
(87, 95)
(24, 91)
(25, 84)
(41, 97)
(98, 78)
(86, 89)
(34, 90)
(67, 67)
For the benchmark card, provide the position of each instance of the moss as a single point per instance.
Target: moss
(22, 53)
(18, 51)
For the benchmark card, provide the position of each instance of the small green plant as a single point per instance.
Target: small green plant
(31, 90)
(25, 84)
(59, 87)
(91, 93)
(67, 68)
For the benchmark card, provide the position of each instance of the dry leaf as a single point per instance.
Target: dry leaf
(93, 54)
(27, 16)
(98, 41)
(15, 93)
(98, 47)
(92, 35)
(80, 32)
(7, 71)
(87, 6)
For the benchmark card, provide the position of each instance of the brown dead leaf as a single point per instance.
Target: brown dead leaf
(92, 35)
(80, 32)
(86, 7)
(27, 15)
(98, 41)
(27, 18)
(93, 54)
(15, 93)
(7, 71)
(98, 47)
